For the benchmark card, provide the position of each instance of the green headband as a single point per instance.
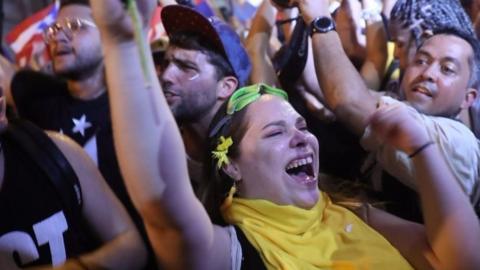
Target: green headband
(246, 95)
(243, 97)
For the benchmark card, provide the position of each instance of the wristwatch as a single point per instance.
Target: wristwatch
(322, 25)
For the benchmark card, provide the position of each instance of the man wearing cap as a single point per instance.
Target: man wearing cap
(204, 63)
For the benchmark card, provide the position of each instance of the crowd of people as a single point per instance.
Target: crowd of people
(317, 135)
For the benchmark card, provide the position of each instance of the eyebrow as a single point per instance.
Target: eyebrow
(446, 58)
(300, 119)
(173, 58)
(423, 52)
(275, 123)
(454, 60)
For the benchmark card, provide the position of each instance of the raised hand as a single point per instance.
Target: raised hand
(396, 125)
(310, 9)
(112, 17)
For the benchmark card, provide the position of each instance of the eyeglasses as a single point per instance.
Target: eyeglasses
(69, 27)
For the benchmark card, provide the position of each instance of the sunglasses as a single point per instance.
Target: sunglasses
(68, 26)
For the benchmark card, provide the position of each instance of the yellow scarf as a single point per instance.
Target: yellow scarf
(325, 237)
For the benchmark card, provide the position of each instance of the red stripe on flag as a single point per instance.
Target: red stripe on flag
(24, 25)
(27, 50)
(156, 27)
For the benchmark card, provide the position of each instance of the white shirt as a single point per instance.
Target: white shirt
(457, 143)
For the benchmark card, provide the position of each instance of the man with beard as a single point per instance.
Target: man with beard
(75, 101)
(440, 81)
(204, 63)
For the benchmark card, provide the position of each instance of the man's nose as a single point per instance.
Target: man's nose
(430, 73)
(168, 72)
(60, 35)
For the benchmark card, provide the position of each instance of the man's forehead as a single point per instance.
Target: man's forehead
(445, 45)
(185, 54)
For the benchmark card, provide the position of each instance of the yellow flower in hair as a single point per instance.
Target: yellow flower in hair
(220, 154)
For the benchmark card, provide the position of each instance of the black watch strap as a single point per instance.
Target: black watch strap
(322, 24)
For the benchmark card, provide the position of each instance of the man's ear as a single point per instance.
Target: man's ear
(470, 97)
(232, 170)
(226, 86)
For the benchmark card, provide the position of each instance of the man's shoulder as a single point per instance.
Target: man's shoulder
(438, 126)
(449, 129)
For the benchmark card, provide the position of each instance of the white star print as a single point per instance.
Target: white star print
(80, 125)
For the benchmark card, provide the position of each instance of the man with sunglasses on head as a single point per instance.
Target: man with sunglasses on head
(74, 100)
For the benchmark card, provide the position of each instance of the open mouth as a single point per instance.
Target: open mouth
(169, 96)
(62, 50)
(422, 90)
(61, 53)
(302, 170)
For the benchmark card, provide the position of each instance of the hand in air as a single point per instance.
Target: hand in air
(310, 9)
(114, 18)
(396, 125)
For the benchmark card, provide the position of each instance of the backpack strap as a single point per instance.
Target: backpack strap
(251, 258)
(289, 62)
(41, 149)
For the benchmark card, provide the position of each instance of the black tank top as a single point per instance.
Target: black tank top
(34, 228)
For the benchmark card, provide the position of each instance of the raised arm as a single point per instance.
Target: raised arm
(150, 149)
(449, 239)
(376, 46)
(122, 246)
(349, 28)
(344, 89)
(258, 42)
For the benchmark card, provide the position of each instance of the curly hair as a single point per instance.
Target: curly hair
(421, 15)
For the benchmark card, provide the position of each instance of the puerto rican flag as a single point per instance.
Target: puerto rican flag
(26, 39)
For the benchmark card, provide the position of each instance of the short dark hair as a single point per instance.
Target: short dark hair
(474, 60)
(64, 3)
(193, 41)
